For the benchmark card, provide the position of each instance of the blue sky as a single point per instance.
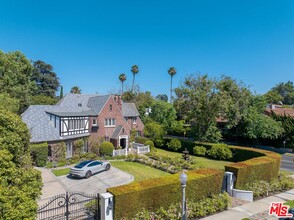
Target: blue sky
(90, 43)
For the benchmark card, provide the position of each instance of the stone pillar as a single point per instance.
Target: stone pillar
(106, 208)
(230, 182)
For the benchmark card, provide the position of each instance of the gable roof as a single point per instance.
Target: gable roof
(129, 109)
(116, 132)
(281, 111)
(96, 103)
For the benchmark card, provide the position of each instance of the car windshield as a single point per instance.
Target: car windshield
(82, 164)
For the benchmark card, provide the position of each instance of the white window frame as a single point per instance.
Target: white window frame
(134, 120)
(94, 120)
(109, 122)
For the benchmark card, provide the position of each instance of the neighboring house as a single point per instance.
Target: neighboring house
(279, 110)
(78, 116)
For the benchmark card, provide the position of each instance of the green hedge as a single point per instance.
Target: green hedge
(152, 194)
(265, 167)
(39, 154)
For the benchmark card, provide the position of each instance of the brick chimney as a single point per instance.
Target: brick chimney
(119, 102)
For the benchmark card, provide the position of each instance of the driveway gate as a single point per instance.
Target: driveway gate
(69, 206)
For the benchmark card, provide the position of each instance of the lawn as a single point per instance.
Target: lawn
(139, 171)
(290, 203)
(61, 172)
(203, 162)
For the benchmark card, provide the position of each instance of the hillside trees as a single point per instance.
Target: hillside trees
(286, 91)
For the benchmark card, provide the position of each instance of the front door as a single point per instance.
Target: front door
(123, 143)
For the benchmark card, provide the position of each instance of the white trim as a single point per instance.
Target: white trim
(123, 137)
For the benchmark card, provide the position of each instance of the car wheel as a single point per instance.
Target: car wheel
(88, 174)
(107, 167)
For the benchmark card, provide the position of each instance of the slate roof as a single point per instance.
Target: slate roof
(129, 110)
(42, 129)
(116, 132)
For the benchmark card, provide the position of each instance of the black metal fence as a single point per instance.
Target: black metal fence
(69, 206)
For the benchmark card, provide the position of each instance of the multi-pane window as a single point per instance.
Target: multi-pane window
(76, 124)
(134, 120)
(94, 121)
(110, 122)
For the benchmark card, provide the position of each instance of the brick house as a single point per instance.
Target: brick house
(87, 117)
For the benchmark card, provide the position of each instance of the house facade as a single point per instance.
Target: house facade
(80, 116)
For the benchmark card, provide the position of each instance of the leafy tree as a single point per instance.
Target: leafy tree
(273, 97)
(155, 132)
(61, 92)
(286, 90)
(198, 102)
(163, 113)
(122, 77)
(162, 97)
(171, 71)
(46, 79)
(288, 125)
(255, 125)
(76, 90)
(8, 103)
(135, 70)
(15, 77)
(14, 135)
(43, 100)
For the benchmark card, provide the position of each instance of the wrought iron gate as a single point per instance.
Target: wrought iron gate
(69, 206)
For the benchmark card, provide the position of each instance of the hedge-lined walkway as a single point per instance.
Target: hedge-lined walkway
(253, 210)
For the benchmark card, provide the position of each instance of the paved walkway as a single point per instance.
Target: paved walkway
(254, 210)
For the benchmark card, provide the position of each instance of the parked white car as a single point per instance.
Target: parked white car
(88, 168)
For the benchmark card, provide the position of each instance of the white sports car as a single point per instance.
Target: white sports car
(88, 168)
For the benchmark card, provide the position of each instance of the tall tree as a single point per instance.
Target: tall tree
(15, 77)
(198, 103)
(135, 70)
(61, 93)
(46, 79)
(76, 90)
(122, 77)
(171, 71)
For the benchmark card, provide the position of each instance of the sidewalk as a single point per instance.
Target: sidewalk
(254, 210)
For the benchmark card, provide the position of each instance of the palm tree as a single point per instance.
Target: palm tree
(171, 71)
(122, 77)
(135, 70)
(75, 90)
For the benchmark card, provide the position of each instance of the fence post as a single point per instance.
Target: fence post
(107, 205)
(66, 206)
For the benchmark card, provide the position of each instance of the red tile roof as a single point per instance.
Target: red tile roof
(281, 111)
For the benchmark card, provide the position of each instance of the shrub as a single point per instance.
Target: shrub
(161, 192)
(197, 209)
(106, 148)
(220, 152)
(95, 148)
(39, 154)
(141, 140)
(74, 159)
(151, 145)
(174, 145)
(78, 145)
(199, 151)
(261, 168)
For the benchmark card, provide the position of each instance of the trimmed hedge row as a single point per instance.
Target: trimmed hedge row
(39, 154)
(161, 192)
(265, 167)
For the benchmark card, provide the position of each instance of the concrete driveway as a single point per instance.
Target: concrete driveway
(97, 183)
